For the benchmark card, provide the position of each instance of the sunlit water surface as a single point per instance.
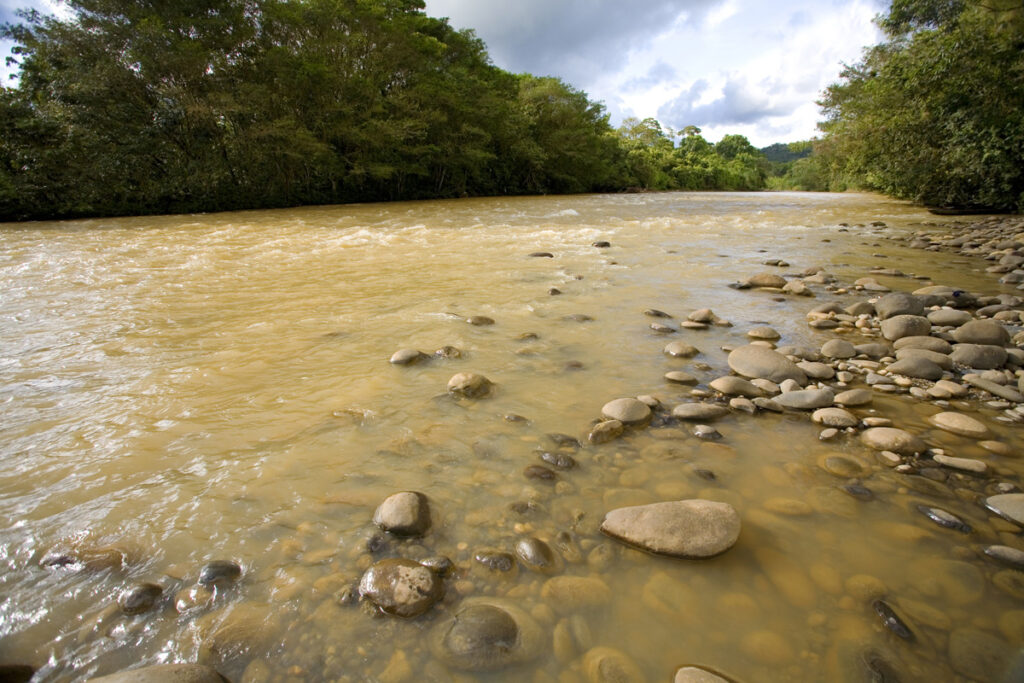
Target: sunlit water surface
(187, 388)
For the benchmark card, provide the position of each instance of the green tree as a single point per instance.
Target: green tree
(935, 113)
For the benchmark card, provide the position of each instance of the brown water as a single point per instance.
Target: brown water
(180, 389)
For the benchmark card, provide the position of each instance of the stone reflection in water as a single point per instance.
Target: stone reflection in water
(182, 390)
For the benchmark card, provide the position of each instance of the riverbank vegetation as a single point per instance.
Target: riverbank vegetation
(936, 112)
(131, 108)
(134, 108)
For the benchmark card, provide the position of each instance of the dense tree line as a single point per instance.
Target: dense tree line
(936, 112)
(160, 106)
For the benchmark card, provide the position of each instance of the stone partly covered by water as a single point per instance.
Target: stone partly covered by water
(683, 528)
(486, 635)
(401, 587)
(628, 411)
(758, 362)
(469, 385)
(164, 673)
(404, 514)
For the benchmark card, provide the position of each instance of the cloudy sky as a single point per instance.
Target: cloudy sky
(728, 66)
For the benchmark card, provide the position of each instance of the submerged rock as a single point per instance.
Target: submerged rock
(486, 635)
(469, 385)
(684, 528)
(163, 673)
(401, 587)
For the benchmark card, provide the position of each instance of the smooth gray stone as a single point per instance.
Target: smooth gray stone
(898, 303)
(917, 367)
(1008, 505)
(1008, 393)
(987, 332)
(806, 399)
(758, 362)
(682, 528)
(901, 326)
(979, 356)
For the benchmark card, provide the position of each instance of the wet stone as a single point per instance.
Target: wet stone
(901, 326)
(961, 424)
(480, 320)
(469, 385)
(496, 561)
(449, 352)
(947, 520)
(680, 377)
(1008, 505)
(678, 349)
(685, 528)
(699, 411)
(662, 329)
(219, 573)
(563, 440)
(706, 433)
(401, 587)
(539, 473)
(608, 665)
(139, 598)
(841, 465)
(1011, 557)
(561, 461)
(605, 431)
(655, 313)
(568, 594)
(892, 439)
(806, 399)
(854, 397)
(408, 357)
(486, 635)
(404, 514)
(962, 464)
(978, 655)
(627, 411)
(731, 385)
(834, 417)
(892, 621)
(694, 674)
(536, 555)
(859, 491)
(757, 362)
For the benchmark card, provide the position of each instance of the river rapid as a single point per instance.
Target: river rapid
(176, 390)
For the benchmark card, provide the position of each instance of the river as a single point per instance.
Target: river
(181, 389)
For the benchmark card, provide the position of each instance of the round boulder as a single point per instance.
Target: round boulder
(900, 326)
(758, 362)
(987, 332)
(469, 385)
(731, 385)
(699, 412)
(683, 528)
(917, 368)
(834, 417)
(892, 439)
(404, 514)
(408, 357)
(766, 280)
(949, 317)
(838, 348)
(608, 665)
(979, 356)
(961, 424)
(401, 587)
(486, 634)
(806, 399)
(678, 349)
(898, 303)
(628, 411)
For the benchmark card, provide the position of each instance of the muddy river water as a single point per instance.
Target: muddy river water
(177, 390)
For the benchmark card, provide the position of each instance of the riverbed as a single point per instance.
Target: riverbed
(182, 389)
